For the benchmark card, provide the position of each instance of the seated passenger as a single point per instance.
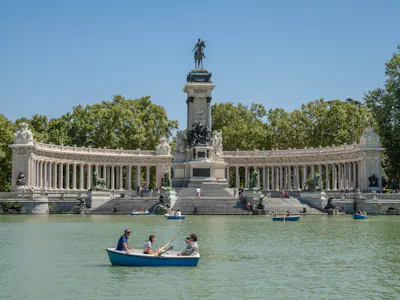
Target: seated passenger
(364, 212)
(192, 248)
(287, 214)
(149, 244)
(123, 242)
(178, 213)
(274, 214)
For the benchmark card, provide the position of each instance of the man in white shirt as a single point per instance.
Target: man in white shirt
(198, 193)
(178, 213)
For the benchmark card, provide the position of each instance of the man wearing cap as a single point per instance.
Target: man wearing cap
(123, 242)
(192, 248)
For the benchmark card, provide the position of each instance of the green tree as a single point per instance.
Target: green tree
(384, 104)
(7, 128)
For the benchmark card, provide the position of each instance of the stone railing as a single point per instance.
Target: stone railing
(29, 195)
(95, 151)
(291, 152)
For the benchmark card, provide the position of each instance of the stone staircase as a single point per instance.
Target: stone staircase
(291, 204)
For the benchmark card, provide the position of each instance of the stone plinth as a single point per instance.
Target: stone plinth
(97, 198)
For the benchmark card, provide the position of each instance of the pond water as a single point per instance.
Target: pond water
(252, 257)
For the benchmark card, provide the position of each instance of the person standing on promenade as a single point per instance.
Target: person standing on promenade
(123, 242)
(198, 192)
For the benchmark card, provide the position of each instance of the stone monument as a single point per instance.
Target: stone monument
(198, 158)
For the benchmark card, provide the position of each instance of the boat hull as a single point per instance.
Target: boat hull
(175, 217)
(291, 218)
(359, 217)
(118, 258)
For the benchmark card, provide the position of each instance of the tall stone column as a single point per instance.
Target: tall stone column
(281, 177)
(55, 176)
(60, 176)
(340, 171)
(41, 175)
(112, 180)
(228, 177)
(147, 176)
(74, 176)
(359, 179)
(264, 186)
(89, 176)
(320, 178)
(121, 176)
(130, 178)
(273, 178)
(105, 173)
(267, 178)
(246, 176)
(81, 187)
(354, 182)
(334, 177)
(289, 178)
(258, 177)
(49, 172)
(327, 177)
(237, 177)
(67, 177)
(138, 176)
(312, 172)
(96, 168)
(304, 177)
(297, 177)
(45, 175)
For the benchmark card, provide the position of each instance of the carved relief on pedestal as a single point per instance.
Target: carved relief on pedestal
(163, 147)
(23, 135)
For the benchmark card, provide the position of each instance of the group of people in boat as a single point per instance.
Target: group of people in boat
(141, 210)
(175, 213)
(124, 245)
(360, 212)
(287, 214)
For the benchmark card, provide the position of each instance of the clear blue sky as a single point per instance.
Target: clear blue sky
(56, 54)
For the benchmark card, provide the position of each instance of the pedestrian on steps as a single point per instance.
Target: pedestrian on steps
(198, 192)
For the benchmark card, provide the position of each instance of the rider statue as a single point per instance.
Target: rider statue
(199, 53)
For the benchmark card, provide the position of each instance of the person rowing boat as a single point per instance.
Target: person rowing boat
(123, 242)
(149, 244)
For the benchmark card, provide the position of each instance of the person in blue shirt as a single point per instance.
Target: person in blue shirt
(123, 242)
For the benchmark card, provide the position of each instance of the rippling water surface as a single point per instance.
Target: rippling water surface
(242, 257)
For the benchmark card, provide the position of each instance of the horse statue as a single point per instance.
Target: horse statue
(253, 184)
(99, 184)
(199, 53)
(312, 185)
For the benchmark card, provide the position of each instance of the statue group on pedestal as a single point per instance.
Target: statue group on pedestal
(199, 135)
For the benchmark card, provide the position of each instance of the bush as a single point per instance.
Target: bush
(5, 206)
(52, 207)
(17, 206)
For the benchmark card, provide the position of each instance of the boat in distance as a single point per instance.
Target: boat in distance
(173, 217)
(138, 213)
(358, 216)
(138, 259)
(290, 218)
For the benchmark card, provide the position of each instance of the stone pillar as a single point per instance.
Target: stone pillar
(60, 176)
(340, 177)
(264, 186)
(89, 176)
(50, 176)
(281, 177)
(96, 168)
(289, 178)
(105, 173)
(237, 177)
(228, 177)
(112, 180)
(267, 178)
(327, 177)
(246, 176)
(138, 176)
(354, 181)
(41, 174)
(67, 177)
(45, 174)
(121, 177)
(312, 172)
(320, 178)
(147, 176)
(297, 178)
(359, 179)
(334, 178)
(55, 176)
(74, 176)
(273, 178)
(130, 178)
(304, 177)
(81, 187)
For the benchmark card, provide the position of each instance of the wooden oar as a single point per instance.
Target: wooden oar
(165, 246)
(162, 252)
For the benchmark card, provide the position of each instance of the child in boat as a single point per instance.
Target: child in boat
(149, 244)
(287, 214)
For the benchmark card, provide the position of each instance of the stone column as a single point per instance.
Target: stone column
(297, 178)
(41, 174)
(45, 174)
(74, 176)
(289, 178)
(60, 176)
(359, 179)
(264, 186)
(267, 178)
(312, 172)
(340, 171)
(112, 180)
(334, 178)
(147, 176)
(96, 168)
(130, 178)
(237, 177)
(105, 173)
(67, 177)
(55, 176)
(228, 177)
(273, 178)
(320, 178)
(89, 176)
(354, 182)
(246, 176)
(138, 183)
(50, 175)
(327, 177)
(304, 177)
(121, 176)
(81, 177)
(281, 177)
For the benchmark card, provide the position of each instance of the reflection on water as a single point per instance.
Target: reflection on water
(64, 257)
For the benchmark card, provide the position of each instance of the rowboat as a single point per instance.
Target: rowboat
(169, 217)
(290, 218)
(358, 216)
(138, 259)
(138, 213)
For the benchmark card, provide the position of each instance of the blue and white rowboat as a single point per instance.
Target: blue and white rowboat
(358, 216)
(290, 218)
(137, 259)
(175, 217)
(139, 213)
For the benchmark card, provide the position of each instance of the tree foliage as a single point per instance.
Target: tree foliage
(7, 128)
(384, 104)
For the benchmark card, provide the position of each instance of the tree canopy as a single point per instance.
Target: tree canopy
(7, 128)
